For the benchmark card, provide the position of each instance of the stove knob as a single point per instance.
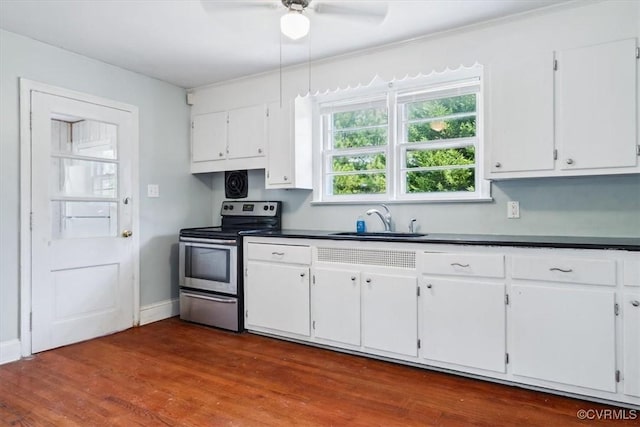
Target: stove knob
(271, 208)
(266, 207)
(225, 207)
(231, 207)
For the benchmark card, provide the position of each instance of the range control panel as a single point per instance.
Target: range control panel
(246, 208)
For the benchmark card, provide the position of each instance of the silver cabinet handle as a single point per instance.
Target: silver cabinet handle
(453, 264)
(497, 165)
(260, 150)
(568, 270)
(635, 303)
(368, 280)
(286, 178)
(353, 278)
(220, 154)
(569, 161)
(302, 274)
(210, 298)
(126, 200)
(277, 253)
(429, 286)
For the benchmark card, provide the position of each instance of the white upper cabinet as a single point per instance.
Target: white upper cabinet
(289, 145)
(229, 140)
(596, 106)
(521, 120)
(573, 115)
(209, 137)
(247, 132)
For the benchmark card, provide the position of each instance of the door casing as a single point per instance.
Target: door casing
(26, 87)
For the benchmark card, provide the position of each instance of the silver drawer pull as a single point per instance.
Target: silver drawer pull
(277, 253)
(429, 286)
(454, 264)
(368, 280)
(569, 270)
(635, 303)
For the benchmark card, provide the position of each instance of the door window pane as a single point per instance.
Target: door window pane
(84, 138)
(83, 178)
(72, 220)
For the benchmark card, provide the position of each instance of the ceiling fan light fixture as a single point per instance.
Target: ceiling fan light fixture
(294, 24)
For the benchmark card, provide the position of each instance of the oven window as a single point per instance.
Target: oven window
(208, 264)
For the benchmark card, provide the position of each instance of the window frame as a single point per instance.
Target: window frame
(397, 95)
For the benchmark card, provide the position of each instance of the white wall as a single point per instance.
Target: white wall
(590, 206)
(185, 200)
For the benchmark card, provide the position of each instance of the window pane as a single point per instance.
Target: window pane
(358, 184)
(441, 129)
(84, 138)
(448, 157)
(441, 107)
(360, 118)
(83, 178)
(72, 220)
(358, 162)
(360, 138)
(441, 181)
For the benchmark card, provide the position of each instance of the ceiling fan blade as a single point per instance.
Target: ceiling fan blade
(371, 11)
(214, 6)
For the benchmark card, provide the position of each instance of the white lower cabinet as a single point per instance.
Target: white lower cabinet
(564, 335)
(631, 343)
(463, 322)
(277, 297)
(390, 313)
(335, 305)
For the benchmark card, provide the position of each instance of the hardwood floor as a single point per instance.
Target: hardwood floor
(175, 373)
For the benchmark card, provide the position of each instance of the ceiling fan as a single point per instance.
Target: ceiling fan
(294, 23)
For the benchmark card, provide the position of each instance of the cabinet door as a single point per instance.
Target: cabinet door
(390, 313)
(631, 318)
(335, 305)
(463, 322)
(564, 335)
(521, 121)
(247, 132)
(280, 154)
(209, 137)
(596, 106)
(277, 297)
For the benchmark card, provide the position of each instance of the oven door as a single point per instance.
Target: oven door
(210, 266)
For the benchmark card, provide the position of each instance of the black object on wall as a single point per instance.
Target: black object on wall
(236, 184)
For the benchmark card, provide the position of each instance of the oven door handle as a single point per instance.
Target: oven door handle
(189, 241)
(208, 298)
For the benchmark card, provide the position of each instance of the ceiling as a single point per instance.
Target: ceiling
(192, 43)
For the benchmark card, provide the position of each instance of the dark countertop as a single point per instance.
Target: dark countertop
(620, 243)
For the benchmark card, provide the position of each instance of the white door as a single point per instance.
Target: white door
(82, 253)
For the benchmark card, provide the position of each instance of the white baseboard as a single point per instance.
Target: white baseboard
(9, 351)
(159, 311)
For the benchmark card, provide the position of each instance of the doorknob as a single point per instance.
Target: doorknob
(127, 233)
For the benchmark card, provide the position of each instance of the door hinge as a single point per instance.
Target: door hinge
(267, 112)
(418, 290)
(638, 150)
(555, 154)
(246, 272)
(616, 309)
(313, 325)
(313, 279)
(193, 125)
(419, 344)
(30, 120)
(267, 174)
(506, 299)
(31, 221)
(246, 314)
(555, 65)
(638, 52)
(618, 375)
(30, 321)
(506, 358)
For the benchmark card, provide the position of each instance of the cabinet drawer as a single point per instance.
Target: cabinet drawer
(481, 265)
(574, 270)
(279, 253)
(631, 273)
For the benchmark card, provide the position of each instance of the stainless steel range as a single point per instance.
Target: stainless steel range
(211, 289)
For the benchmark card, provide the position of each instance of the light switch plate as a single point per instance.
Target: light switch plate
(153, 190)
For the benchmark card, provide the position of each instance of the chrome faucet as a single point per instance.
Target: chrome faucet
(384, 217)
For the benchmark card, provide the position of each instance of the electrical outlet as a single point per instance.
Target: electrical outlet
(513, 209)
(153, 190)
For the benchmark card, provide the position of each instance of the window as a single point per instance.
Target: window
(409, 142)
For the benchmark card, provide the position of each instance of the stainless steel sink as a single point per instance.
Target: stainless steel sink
(388, 234)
